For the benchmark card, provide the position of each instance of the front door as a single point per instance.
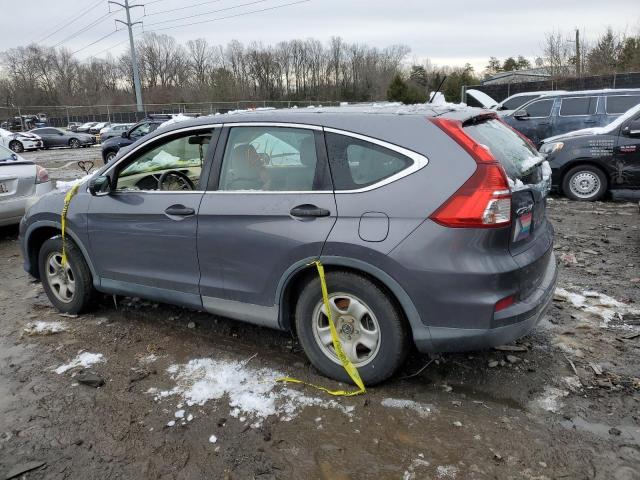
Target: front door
(143, 234)
(626, 156)
(537, 123)
(271, 206)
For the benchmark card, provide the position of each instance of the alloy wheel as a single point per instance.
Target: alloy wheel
(60, 279)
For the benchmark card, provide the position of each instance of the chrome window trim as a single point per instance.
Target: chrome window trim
(597, 97)
(419, 161)
(607, 97)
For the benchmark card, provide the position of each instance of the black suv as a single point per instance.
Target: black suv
(587, 163)
(112, 146)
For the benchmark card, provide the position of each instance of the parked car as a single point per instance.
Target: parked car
(114, 130)
(111, 146)
(560, 113)
(480, 99)
(85, 127)
(73, 126)
(95, 129)
(20, 141)
(56, 137)
(589, 162)
(412, 215)
(22, 182)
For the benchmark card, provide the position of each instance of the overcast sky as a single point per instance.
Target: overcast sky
(448, 32)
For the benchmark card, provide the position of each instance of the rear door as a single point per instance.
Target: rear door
(576, 113)
(270, 207)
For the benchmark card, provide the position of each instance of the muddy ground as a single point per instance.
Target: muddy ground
(566, 404)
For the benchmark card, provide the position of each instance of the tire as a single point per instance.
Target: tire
(16, 146)
(74, 143)
(585, 183)
(83, 294)
(376, 363)
(109, 156)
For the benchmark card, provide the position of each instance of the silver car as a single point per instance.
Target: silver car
(22, 183)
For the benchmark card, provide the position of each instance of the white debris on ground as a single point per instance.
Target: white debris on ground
(550, 400)
(66, 185)
(213, 439)
(252, 393)
(447, 471)
(84, 359)
(151, 358)
(410, 473)
(422, 409)
(45, 328)
(597, 304)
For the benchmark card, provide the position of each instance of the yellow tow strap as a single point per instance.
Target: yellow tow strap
(63, 219)
(346, 363)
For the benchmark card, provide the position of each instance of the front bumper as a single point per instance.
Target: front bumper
(508, 325)
(31, 144)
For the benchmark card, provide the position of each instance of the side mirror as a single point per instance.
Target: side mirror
(125, 135)
(632, 129)
(519, 114)
(100, 185)
(14, 157)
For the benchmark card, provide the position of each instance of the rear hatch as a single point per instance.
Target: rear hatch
(17, 176)
(529, 177)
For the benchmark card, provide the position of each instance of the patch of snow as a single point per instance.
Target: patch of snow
(213, 439)
(66, 185)
(84, 360)
(44, 328)
(149, 359)
(171, 423)
(177, 118)
(251, 392)
(179, 414)
(597, 304)
(447, 471)
(550, 400)
(421, 409)
(410, 473)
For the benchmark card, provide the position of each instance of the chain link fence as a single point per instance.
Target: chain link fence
(26, 118)
(594, 82)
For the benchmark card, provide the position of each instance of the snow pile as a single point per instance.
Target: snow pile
(177, 118)
(44, 328)
(65, 186)
(597, 304)
(84, 360)
(252, 393)
(550, 400)
(421, 409)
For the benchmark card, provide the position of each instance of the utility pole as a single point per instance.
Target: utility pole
(134, 60)
(578, 60)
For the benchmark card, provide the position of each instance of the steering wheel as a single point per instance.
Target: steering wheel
(175, 180)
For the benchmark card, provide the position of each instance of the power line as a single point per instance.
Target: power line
(108, 48)
(229, 16)
(179, 8)
(85, 28)
(97, 41)
(66, 23)
(207, 13)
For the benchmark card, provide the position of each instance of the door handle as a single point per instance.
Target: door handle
(179, 210)
(309, 211)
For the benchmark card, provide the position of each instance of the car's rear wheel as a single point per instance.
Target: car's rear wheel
(370, 327)
(585, 183)
(74, 143)
(69, 287)
(16, 146)
(109, 156)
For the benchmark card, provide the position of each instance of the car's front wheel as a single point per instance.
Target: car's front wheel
(370, 327)
(16, 146)
(69, 287)
(585, 183)
(109, 156)
(74, 143)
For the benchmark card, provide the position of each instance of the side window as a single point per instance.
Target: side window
(269, 159)
(173, 164)
(517, 102)
(541, 108)
(578, 106)
(357, 164)
(141, 130)
(617, 104)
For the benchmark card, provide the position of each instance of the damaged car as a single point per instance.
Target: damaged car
(588, 163)
(20, 141)
(430, 223)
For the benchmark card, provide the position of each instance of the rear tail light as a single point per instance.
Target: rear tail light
(484, 201)
(504, 303)
(42, 176)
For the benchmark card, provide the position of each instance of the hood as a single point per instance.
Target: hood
(29, 135)
(482, 98)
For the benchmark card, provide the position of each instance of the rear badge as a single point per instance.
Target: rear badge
(523, 227)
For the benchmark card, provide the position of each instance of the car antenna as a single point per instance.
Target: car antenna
(437, 90)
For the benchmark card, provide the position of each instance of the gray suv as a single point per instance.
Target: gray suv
(430, 223)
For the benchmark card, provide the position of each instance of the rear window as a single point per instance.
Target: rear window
(515, 154)
(572, 107)
(357, 164)
(621, 103)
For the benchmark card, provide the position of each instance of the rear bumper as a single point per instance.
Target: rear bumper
(507, 325)
(12, 210)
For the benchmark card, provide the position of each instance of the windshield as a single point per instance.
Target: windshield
(515, 154)
(617, 123)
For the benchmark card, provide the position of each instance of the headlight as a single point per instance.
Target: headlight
(552, 147)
